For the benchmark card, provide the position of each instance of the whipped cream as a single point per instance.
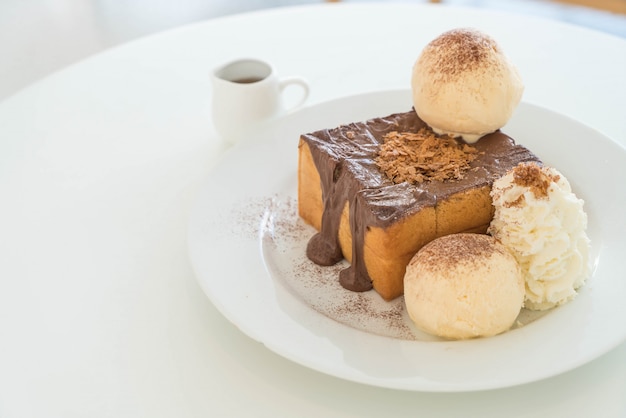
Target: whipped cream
(542, 222)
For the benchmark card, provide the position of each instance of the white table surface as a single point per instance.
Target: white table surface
(100, 313)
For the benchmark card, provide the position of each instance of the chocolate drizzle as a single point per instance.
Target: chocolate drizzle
(350, 277)
(345, 160)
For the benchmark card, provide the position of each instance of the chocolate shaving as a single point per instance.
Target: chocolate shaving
(423, 156)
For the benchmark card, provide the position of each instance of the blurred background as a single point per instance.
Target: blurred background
(39, 37)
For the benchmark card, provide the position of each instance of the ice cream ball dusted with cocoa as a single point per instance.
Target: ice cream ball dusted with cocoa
(463, 286)
(463, 85)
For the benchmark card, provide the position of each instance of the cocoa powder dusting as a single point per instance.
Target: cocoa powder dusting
(423, 156)
(284, 236)
(450, 250)
(458, 51)
(532, 176)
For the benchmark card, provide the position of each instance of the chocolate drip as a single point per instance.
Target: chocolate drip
(355, 277)
(323, 251)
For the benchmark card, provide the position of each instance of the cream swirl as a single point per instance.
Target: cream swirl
(542, 222)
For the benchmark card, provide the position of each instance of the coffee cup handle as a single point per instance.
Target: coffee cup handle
(299, 81)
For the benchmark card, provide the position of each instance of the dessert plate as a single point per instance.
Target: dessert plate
(247, 244)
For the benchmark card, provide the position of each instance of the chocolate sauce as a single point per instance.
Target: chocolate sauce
(344, 158)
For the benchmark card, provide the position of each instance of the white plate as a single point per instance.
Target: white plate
(247, 248)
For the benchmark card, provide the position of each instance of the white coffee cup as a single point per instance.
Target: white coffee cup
(248, 93)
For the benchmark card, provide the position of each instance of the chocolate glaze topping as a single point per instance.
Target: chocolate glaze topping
(345, 159)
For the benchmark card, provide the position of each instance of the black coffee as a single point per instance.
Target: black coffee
(247, 80)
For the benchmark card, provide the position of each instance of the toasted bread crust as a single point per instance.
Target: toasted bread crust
(388, 251)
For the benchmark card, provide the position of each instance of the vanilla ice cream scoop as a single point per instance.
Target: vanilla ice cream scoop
(463, 85)
(463, 286)
(542, 222)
